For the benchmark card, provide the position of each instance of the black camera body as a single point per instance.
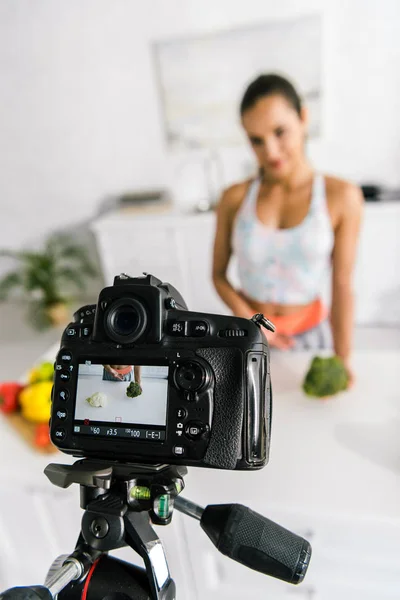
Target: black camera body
(139, 378)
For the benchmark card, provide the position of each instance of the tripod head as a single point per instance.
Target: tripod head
(121, 501)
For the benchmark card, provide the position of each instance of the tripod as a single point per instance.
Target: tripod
(120, 502)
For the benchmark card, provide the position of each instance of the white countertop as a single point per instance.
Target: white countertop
(333, 477)
(341, 454)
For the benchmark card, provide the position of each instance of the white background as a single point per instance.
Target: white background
(80, 116)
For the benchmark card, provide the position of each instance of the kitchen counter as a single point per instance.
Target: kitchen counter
(333, 476)
(345, 442)
(341, 454)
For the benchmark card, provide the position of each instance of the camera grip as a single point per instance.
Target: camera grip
(226, 432)
(256, 542)
(34, 592)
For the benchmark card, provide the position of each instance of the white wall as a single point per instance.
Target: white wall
(80, 116)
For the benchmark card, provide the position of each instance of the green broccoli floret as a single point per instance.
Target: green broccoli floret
(325, 377)
(133, 390)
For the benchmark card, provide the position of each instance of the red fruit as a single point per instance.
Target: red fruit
(42, 435)
(9, 391)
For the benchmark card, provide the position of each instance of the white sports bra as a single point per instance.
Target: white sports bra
(283, 266)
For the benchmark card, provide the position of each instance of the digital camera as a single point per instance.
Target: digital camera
(139, 378)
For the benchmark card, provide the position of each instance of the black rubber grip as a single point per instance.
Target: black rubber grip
(35, 592)
(256, 542)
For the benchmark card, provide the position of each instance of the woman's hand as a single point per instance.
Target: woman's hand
(350, 373)
(280, 341)
(113, 371)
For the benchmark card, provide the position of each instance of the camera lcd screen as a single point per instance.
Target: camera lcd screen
(122, 401)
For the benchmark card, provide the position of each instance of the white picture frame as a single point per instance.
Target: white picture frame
(202, 79)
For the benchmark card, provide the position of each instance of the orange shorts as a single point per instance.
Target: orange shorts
(124, 370)
(306, 318)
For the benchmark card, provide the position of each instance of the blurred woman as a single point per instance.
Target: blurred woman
(122, 373)
(288, 228)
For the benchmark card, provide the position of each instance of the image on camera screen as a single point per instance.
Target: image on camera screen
(122, 401)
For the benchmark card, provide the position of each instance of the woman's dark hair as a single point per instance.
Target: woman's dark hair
(268, 85)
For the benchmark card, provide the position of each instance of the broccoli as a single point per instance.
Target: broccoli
(133, 390)
(325, 377)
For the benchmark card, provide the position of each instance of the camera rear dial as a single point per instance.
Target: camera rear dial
(191, 376)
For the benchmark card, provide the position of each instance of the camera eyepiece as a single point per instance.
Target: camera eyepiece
(125, 320)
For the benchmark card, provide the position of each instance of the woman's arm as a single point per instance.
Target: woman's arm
(226, 212)
(112, 370)
(344, 255)
(137, 374)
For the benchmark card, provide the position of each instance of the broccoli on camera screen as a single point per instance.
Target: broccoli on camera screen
(125, 401)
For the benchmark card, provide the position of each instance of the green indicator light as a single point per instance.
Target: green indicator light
(140, 492)
(178, 486)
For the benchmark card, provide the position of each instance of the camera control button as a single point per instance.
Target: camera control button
(64, 376)
(181, 413)
(195, 429)
(176, 328)
(63, 395)
(62, 414)
(179, 450)
(59, 433)
(189, 396)
(197, 328)
(71, 332)
(190, 376)
(66, 357)
(86, 331)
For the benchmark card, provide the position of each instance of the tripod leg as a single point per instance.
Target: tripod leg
(143, 539)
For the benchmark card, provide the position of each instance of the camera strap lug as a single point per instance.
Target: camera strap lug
(259, 319)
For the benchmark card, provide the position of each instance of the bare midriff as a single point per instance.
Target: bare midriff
(269, 308)
(293, 318)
